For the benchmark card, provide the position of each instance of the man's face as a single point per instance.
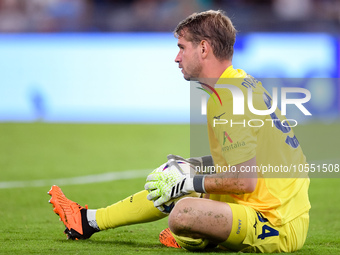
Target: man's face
(188, 59)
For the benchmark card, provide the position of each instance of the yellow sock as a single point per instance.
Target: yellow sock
(190, 244)
(132, 210)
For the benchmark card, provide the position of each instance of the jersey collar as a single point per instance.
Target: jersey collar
(230, 72)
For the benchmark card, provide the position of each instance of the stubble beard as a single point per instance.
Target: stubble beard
(194, 70)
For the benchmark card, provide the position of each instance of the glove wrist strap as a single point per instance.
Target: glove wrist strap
(198, 183)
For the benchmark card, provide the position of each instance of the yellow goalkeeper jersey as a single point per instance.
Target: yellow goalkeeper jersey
(281, 193)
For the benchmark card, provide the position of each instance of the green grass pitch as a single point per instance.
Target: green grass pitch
(39, 151)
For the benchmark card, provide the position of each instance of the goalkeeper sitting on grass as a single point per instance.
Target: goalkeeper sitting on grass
(240, 211)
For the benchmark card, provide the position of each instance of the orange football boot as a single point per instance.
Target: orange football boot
(166, 238)
(71, 214)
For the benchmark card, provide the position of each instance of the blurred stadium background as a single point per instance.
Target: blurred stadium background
(113, 61)
(74, 74)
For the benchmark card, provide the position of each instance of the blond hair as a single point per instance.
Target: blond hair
(214, 27)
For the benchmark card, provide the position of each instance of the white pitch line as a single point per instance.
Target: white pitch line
(97, 178)
(105, 177)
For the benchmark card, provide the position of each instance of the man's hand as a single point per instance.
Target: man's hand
(166, 185)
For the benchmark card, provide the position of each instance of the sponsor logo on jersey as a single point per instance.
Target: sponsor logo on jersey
(225, 137)
(233, 146)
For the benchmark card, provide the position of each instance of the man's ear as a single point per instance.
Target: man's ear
(205, 48)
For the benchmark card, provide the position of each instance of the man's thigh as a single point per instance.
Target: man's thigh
(261, 235)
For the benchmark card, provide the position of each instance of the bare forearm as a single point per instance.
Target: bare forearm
(233, 182)
(218, 184)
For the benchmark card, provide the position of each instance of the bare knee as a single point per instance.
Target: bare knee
(201, 218)
(182, 217)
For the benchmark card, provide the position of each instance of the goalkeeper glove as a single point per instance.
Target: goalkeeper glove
(164, 186)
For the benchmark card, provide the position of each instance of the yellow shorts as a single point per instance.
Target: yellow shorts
(253, 233)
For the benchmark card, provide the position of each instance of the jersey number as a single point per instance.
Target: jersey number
(291, 141)
(266, 230)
